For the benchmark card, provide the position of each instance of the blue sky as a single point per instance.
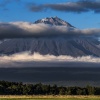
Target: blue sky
(18, 10)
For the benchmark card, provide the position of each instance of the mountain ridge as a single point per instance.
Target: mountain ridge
(53, 21)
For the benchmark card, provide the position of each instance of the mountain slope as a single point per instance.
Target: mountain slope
(53, 46)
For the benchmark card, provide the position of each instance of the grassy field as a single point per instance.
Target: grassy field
(49, 97)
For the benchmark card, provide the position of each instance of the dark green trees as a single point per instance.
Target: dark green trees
(18, 88)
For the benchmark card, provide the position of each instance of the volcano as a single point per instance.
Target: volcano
(73, 46)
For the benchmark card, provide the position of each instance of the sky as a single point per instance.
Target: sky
(82, 14)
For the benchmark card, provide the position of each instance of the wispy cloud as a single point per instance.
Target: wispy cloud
(77, 7)
(35, 8)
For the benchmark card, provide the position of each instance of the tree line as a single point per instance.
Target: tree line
(19, 88)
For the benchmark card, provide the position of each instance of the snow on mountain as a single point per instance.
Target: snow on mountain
(53, 21)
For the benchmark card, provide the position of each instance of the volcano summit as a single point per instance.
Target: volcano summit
(54, 21)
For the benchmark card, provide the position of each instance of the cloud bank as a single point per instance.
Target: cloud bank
(77, 7)
(26, 29)
(25, 59)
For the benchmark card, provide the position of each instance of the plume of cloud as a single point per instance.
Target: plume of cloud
(26, 29)
(25, 58)
(35, 8)
(77, 7)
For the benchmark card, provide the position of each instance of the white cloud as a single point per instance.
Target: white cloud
(27, 59)
(26, 29)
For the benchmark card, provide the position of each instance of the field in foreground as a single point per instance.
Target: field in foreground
(49, 97)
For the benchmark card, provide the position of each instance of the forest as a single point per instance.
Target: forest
(19, 88)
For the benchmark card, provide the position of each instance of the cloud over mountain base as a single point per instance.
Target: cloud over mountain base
(37, 60)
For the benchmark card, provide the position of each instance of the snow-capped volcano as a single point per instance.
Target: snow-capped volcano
(54, 21)
(56, 45)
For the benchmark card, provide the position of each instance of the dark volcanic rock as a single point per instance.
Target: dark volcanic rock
(53, 46)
